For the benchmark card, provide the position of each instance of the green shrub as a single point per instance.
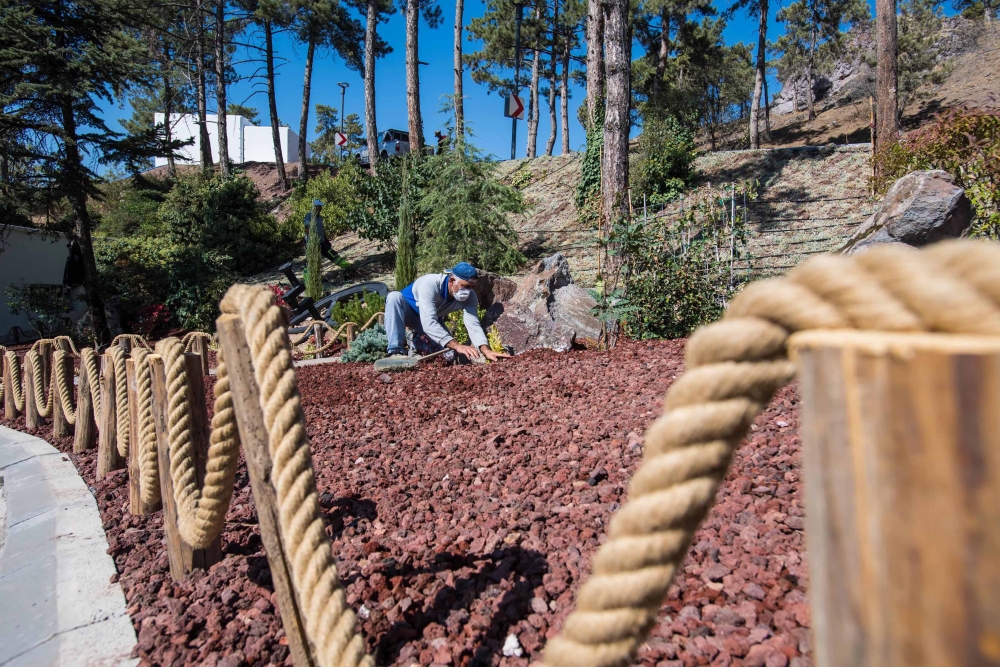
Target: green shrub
(666, 155)
(313, 274)
(965, 142)
(375, 212)
(205, 235)
(369, 346)
(359, 308)
(676, 273)
(46, 307)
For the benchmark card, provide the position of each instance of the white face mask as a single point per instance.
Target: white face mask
(463, 294)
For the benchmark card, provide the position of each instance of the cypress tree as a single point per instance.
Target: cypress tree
(406, 239)
(314, 260)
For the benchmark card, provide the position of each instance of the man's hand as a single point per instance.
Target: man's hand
(464, 350)
(493, 356)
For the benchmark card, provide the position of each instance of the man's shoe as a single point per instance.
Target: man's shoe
(396, 352)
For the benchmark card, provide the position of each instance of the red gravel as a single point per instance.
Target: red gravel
(465, 504)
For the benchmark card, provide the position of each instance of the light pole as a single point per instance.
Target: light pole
(343, 93)
(518, 15)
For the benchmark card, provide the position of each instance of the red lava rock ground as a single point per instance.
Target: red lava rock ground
(465, 504)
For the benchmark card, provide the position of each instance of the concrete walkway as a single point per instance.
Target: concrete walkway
(57, 605)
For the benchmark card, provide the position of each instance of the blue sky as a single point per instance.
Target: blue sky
(484, 112)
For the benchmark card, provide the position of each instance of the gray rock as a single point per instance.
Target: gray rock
(547, 311)
(920, 208)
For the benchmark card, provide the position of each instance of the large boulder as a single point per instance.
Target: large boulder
(920, 208)
(547, 311)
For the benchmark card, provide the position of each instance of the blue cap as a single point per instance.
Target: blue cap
(464, 270)
(317, 202)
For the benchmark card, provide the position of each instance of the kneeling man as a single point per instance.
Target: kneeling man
(423, 304)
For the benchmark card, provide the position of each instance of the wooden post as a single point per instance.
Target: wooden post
(9, 405)
(901, 434)
(199, 346)
(107, 445)
(381, 318)
(60, 427)
(254, 438)
(85, 431)
(349, 333)
(31, 417)
(318, 335)
(134, 495)
(183, 558)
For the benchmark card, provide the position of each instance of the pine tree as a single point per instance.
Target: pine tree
(64, 57)
(465, 210)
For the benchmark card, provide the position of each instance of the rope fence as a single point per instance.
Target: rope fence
(734, 367)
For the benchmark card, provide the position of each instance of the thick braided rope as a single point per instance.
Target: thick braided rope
(14, 368)
(135, 339)
(149, 468)
(69, 342)
(734, 367)
(122, 417)
(90, 366)
(64, 384)
(329, 621)
(201, 510)
(33, 365)
(191, 336)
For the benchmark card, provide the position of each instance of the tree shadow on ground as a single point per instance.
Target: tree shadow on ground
(452, 604)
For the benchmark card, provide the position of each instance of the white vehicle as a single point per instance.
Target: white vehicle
(391, 143)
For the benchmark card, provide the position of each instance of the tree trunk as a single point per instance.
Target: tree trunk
(614, 185)
(886, 110)
(168, 106)
(413, 76)
(272, 103)
(758, 83)
(371, 127)
(553, 45)
(304, 116)
(664, 54)
(767, 113)
(78, 199)
(810, 65)
(595, 58)
(564, 97)
(533, 105)
(459, 103)
(204, 143)
(220, 84)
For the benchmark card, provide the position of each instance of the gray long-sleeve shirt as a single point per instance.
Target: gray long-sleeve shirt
(429, 295)
(319, 226)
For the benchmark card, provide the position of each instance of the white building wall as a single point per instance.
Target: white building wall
(247, 143)
(31, 257)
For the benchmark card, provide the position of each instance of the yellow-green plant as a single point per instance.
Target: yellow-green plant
(493, 338)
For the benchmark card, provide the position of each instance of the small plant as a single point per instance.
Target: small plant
(369, 346)
(359, 308)
(493, 338)
(277, 290)
(521, 177)
(666, 156)
(456, 323)
(47, 307)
